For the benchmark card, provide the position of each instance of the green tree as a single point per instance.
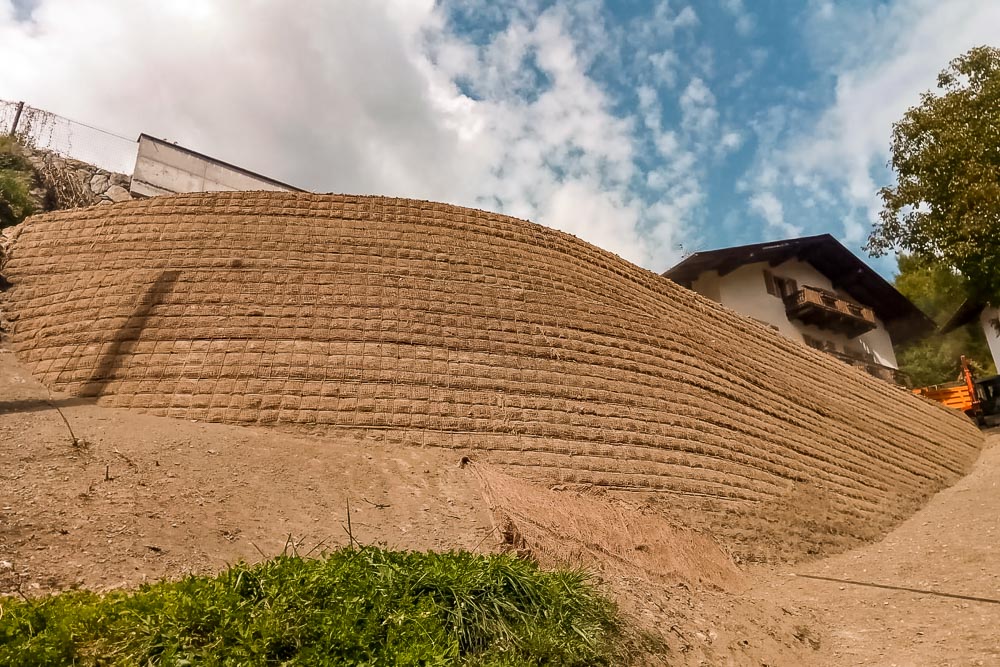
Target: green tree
(945, 207)
(939, 290)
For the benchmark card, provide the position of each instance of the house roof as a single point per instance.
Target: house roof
(846, 271)
(969, 311)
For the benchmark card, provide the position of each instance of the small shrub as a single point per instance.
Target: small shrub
(16, 176)
(353, 607)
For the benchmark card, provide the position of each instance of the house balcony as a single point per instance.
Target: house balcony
(827, 310)
(873, 367)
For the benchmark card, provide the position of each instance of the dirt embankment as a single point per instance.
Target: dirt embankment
(146, 497)
(928, 594)
(142, 497)
(412, 323)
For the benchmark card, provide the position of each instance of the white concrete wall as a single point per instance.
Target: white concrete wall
(987, 318)
(162, 168)
(707, 285)
(744, 291)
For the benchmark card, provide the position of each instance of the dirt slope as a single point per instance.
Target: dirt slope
(147, 497)
(946, 553)
(150, 497)
(191, 497)
(433, 325)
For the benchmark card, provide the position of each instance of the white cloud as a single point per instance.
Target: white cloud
(374, 97)
(665, 65)
(677, 176)
(686, 18)
(769, 207)
(698, 112)
(744, 22)
(882, 59)
(665, 22)
(825, 11)
(854, 230)
(729, 142)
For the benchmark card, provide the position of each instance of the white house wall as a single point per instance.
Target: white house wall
(161, 168)
(707, 285)
(744, 291)
(990, 319)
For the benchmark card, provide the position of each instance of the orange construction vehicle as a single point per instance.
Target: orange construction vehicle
(976, 398)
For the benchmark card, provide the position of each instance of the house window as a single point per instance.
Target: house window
(769, 283)
(812, 342)
(778, 286)
(785, 287)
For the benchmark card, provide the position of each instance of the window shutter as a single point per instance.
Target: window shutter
(769, 282)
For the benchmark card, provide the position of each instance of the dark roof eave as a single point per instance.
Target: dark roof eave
(966, 313)
(905, 330)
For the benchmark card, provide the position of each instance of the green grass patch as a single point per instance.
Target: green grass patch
(16, 175)
(364, 606)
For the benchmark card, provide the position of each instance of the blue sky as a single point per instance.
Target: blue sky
(650, 128)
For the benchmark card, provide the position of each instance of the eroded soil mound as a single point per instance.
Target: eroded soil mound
(449, 327)
(589, 531)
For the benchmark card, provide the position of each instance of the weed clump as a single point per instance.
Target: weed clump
(15, 184)
(364, 606)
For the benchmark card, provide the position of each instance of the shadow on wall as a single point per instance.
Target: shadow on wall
(110, 361)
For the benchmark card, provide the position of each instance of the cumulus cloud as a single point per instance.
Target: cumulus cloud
(675, 175)
(666, 20)
(730, 141)
(384, 96)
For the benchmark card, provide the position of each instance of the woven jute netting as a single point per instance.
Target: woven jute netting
(452, 327)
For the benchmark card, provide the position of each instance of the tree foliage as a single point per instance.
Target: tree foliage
(945, 207)
(939, 290)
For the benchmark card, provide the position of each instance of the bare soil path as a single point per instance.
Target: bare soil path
(927, 594)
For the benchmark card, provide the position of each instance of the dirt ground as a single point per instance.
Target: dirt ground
(448, 327)
(143, 497)
(927, 594)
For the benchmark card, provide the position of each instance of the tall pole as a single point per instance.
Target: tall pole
(17, 118)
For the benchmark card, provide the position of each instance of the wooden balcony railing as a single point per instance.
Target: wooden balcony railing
(827, 310)
(873, 367)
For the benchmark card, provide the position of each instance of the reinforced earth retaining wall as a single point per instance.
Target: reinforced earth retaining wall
(445, 326)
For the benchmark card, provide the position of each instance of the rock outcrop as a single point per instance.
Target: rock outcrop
(68, 183)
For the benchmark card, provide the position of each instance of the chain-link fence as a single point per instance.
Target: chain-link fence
(48, 131)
